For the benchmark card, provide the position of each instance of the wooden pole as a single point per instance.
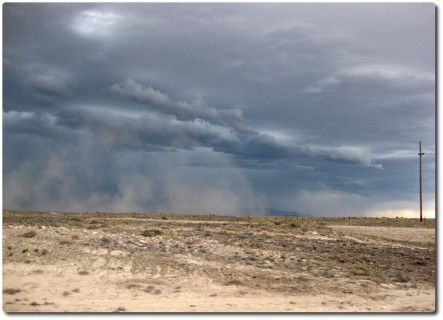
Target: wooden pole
(421, 198)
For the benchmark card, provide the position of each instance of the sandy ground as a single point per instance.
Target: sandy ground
(214, 267)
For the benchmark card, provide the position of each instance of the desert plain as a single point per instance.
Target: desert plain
(166, 262)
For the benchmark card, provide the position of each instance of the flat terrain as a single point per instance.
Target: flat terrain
(60, 262)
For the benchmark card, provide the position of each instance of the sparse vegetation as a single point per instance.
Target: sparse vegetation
(71, 219)
(273, 254)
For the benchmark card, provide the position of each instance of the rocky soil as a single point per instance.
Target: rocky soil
(79, 263)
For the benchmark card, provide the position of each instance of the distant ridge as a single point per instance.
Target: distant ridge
(276, 212)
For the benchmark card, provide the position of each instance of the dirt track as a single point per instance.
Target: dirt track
(122, 265)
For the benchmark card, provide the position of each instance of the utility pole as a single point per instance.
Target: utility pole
(420, 154)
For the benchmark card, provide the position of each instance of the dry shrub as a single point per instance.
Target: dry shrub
(83, 272)
(105, 240)
(151, 233)
(233, 282)
(11, 291)
(400, 277)
(360, 271)
(132, 286)
(295, 224)
(29, 234)
(149, 288)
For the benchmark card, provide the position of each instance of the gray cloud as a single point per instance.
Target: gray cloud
(182, 110)
(46, 80)
(137, 132)
(189, 131)
(137, 106)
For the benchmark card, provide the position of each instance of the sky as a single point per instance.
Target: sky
(221, 108)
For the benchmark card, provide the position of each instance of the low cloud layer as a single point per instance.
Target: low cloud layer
(223, 108)
(181, 110)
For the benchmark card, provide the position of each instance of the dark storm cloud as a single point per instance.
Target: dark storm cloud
(28, 123)
(195, 125)
(130, 132)
(182, 110)
(130, 106)
(45, 83)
